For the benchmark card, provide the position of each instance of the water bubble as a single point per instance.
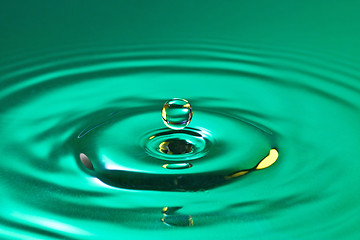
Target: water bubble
(177, 113)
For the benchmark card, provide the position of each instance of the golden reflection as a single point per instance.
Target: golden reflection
(266, 162)
(164, 210)
(238, 174)
(163, 115)
(164, 148)
(191, 221)
(163, 112)
(269, 159)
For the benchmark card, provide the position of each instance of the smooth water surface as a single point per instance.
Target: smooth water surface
(268, 152)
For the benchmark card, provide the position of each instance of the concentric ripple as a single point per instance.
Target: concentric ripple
(83, 139)
(131, 151)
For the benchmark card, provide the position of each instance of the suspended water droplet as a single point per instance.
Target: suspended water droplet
(177, 113)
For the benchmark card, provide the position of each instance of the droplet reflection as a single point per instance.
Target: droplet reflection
(172, 219)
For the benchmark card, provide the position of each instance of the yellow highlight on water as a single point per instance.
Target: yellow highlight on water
(265, 163)
(269, 159)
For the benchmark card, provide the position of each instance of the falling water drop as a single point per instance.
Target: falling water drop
(176, 113)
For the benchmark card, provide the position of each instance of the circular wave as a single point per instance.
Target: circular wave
(105, 104)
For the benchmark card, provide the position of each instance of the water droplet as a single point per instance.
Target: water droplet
(175, 146)
(177, 113)
(86, 161)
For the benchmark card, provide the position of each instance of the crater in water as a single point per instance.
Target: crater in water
(176, 146)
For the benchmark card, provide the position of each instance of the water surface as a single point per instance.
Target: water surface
(100, 104)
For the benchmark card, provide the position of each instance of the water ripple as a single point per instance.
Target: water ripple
(103, 102)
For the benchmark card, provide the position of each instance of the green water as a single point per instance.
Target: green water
(84, 150)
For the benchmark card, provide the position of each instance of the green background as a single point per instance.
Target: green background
(34, 25)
